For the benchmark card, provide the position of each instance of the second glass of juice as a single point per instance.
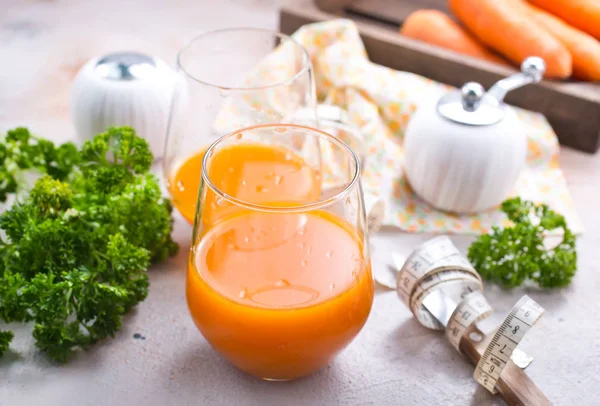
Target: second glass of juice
(229, 79)
(279, 277)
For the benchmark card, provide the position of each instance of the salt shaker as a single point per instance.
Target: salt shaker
(124, 89)
(465, 151)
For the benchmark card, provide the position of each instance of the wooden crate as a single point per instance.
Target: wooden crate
(572, 108)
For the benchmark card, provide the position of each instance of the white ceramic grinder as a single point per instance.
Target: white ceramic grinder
(464, 152)
(124, 89)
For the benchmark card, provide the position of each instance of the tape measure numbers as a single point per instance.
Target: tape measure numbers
(508, 336)
(454, 290)
(472, 309)
(435, 265)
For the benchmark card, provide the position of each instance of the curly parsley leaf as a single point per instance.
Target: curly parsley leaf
(512, 255)
(5, 339)
(21, 151)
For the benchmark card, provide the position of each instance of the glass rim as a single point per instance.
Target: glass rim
(306, 65)
(300, 208)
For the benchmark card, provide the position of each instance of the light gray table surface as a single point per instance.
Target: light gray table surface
(394, 361)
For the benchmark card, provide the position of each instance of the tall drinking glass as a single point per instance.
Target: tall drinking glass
(279, 275)
(230, 79)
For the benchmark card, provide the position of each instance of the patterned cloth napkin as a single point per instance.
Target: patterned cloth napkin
(380, 101)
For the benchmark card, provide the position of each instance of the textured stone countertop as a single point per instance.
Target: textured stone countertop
(394, 361)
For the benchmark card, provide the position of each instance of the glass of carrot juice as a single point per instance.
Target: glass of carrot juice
(279, 275)
(229, 79)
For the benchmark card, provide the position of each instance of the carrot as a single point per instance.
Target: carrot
(510, 32)
(583, 14)
(436, 28)
(584, 48)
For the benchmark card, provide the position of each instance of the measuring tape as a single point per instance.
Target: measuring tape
(472, 309)
(444, 292)
(435, 265)
(510, 333)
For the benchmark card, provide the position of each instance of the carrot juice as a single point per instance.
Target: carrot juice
(277, 293)
(184, 185)
(250, 171)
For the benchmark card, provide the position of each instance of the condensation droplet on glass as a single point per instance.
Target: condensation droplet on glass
(220, 201)
(238, 136)
(243, 293)
(301, 231)
(243, 183)
(211, 153)
(246, 239)
(278, 179)
(348, 200)
(301, 246)
(270, 175)
(262, 189)
(303, 262)
(282, 283)
(289, 155)
(329, 254)
(308, 249)
(180, 186)
(331, 286)
(280, 130)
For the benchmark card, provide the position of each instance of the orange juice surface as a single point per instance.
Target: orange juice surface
(256, 173)
(279, 294)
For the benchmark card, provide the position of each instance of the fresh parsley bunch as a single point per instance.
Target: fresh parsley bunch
(509, 256)
(74, 253)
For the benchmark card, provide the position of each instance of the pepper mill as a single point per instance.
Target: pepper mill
(465, 151)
